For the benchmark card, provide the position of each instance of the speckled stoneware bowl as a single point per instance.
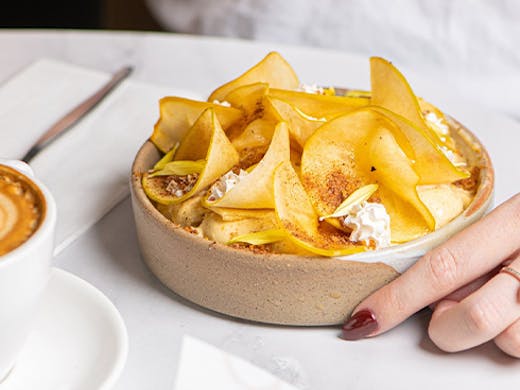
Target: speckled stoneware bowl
(283, 289)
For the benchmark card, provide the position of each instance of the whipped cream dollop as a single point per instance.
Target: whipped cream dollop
(437, 123)
(311, 88)
(224, 103)
(455, 158)
(370, 224)
(225, 184)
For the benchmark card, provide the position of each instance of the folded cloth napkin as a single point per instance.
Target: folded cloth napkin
(87, 169)
(221, 370)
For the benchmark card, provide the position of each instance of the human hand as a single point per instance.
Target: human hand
(473, 303)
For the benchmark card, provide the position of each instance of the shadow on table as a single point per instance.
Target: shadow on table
(118, 238)
(485, 351)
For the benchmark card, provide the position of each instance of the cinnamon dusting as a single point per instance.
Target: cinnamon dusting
(471, 183)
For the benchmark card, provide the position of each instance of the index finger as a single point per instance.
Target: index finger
(464, 257)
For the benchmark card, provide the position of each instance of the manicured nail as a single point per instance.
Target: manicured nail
(360, 325)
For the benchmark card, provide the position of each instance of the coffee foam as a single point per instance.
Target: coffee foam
(8, 215)
(22, 208)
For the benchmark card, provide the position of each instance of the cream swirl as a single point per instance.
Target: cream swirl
(225, 184)
(370, 224)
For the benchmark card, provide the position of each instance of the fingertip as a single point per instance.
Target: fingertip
(435, 331)
(361, 324)
(442, 306)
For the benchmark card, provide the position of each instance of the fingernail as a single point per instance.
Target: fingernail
(360, 325)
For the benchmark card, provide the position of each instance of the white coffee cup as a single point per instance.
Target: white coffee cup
(24, 273)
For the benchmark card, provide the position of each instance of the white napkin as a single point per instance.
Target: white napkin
(87, 169)
(203, 366)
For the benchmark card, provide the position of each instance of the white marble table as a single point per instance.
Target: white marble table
(311, 358)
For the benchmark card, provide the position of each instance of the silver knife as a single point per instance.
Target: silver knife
(76, 114)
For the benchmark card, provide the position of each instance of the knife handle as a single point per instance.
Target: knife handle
(77, 113)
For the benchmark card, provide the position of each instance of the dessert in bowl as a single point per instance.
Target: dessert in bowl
(289, 205)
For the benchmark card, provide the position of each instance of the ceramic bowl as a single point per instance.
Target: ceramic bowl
(277, 288)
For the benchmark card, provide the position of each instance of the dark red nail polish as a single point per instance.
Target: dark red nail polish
(360, 325)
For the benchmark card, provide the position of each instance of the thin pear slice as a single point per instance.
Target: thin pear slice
(248, 98)
(188, 213)
(362, 194)
(276, 239)
(168, 157)
(258, 229)
(390, 90)
(273, 70)
(430, 163)
(301, 125)
(257, 133)
(205, 140)
(177, 116)
(318, 106)
(229, 214)
(358, 93)
(409, 216)
(358, 149)
(219, 230)
(254, 141)
(180, 168)
(335, 159)
(260, 238)
(255, 191)
(296, 215)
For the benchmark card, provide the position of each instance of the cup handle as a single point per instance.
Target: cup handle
(20, 166)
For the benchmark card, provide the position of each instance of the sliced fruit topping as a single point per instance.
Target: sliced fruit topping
(168, 157)
(255, 190)
(270, 164)
(360, 195)
(273, 70)
(301, 125)
(356, 150)
(220, 230)
(180, 168)
(297, 217)
(254, 141)
(248, 98)
(318, 106)
(177, 116)
(205, 141)
(429, 161)
(260, 238)
(391, 91)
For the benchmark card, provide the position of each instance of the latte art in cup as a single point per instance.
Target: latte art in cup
(22, 208)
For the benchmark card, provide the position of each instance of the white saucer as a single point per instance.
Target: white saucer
(79, 341)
